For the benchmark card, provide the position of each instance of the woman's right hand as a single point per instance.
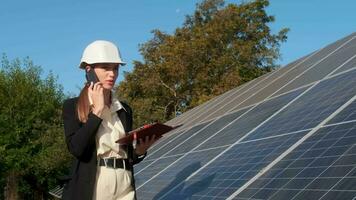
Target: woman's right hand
(96, 93)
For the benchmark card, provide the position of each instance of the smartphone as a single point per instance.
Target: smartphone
(91, 76)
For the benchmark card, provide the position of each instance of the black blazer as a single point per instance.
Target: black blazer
(80, 139)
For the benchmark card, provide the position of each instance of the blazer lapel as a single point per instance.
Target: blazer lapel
(124, 119)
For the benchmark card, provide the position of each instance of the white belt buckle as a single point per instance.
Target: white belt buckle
(114, 163)
(123, 162)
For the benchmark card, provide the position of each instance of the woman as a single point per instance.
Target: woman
(102, 169)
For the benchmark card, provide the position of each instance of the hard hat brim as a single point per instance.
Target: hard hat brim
(84, 64)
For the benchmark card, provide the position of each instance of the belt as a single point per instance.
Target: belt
(115, 163)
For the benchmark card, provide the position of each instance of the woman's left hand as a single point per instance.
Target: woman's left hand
(143, 145)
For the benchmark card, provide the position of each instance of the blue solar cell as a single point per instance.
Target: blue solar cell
(323, 183)
(316, 172)
(138, 167)
(336, 171)
(149, 172)
(176, 174)
(171, 143)
(312, 108)
(250, 120)
(325, 67)
(348, 114)
(347, 183)
(347, 66)
(344, 195)
(235, 167)
(161, 142)
(309, 63)
(309, 194)
(205, 133)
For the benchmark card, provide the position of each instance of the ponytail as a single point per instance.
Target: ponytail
(83, 105)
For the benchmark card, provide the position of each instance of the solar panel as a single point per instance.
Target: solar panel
(270, 87)
(162, 142)
(250, 120)
(56, 192)
(338, 57)
(347, 115)
(347, 66)
(322, 167)
(149, 172)
(324, 57)
(173, 143)
(282, 80)
(210, 114)
(312, 107)
(234, 161)
(191, 118)
(201, 154)
(197, 138)
(298, 115)
(143, 164)
(239, 98)
(175, 174)
(175, 149)
(234, 168)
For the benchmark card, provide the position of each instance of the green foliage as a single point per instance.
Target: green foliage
(218, 48)
(31, 130)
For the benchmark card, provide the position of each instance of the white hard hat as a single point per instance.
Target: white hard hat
(101, 51)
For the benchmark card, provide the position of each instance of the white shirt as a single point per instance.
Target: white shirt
(110, 130)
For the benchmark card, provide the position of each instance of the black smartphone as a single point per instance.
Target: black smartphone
(91, 76)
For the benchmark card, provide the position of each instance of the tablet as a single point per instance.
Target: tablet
(156, 128)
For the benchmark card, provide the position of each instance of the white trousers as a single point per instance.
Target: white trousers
(113, 184)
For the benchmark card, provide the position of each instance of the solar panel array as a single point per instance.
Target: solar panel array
(289, 134)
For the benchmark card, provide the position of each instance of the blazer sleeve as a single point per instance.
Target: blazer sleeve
(80, 137)
(136, 159)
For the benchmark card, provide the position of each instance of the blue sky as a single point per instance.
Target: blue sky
(54, 33)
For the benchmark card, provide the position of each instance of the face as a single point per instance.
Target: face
(107, 74)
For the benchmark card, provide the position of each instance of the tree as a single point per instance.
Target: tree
(217, 48)
(32, 148)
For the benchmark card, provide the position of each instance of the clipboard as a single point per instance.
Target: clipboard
(156, 128)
